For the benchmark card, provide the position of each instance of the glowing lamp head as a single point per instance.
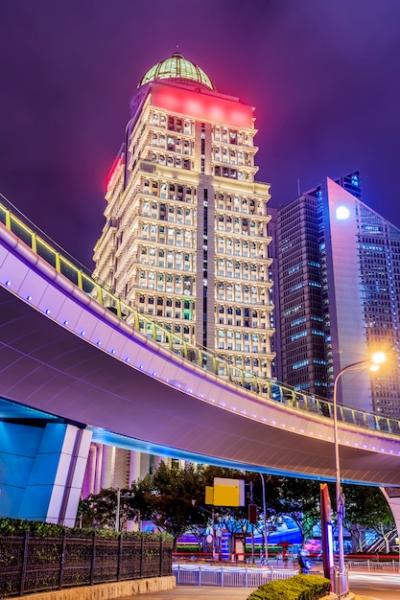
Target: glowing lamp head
(374, 368)
(342, 213)
(378, 358)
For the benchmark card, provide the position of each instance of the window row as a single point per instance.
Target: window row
(166, 282)
(159, 119)
(241, 248)
(240, 270)
(182, 238)
(164, 212)
(172, 143)
(232, 157)
(232, 136)
(239, 225)
(168, 191)
(239, 341)
(166, 259)
(239, 204)
(168, 308)
(240, 293)
(232, 173)
(170, 160)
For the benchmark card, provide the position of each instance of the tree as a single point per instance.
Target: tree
(177, 500)
(100, 510)
(366, 507)
(299, 498)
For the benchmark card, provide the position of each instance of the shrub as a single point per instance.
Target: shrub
(299, 587)
(37, 528)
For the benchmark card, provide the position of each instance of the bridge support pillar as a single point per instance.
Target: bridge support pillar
(392, 496)
(41, 470)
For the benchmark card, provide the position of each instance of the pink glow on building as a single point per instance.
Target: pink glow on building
(202, 106)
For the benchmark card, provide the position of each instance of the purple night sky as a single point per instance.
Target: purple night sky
(324, 77)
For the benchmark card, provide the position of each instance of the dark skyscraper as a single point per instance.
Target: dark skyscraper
(338, 286)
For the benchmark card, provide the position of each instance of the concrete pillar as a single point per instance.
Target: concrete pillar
(134, 466)
(99, 469)
(42, 470)
(144, 465)
(90, 472)
(108, 468)
(156, 462)
(392, 496)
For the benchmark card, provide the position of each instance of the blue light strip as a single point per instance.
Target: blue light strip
(102, 436)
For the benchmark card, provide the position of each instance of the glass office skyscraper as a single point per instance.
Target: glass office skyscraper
(339, 294)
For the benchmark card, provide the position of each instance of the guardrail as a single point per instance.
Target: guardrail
(374, 566)
(229, 576)
(207, 360)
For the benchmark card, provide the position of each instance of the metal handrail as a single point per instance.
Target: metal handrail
(209, 361)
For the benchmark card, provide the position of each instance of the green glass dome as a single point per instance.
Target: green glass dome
(177, 67)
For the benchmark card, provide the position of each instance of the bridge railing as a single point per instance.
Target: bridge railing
(207, 360)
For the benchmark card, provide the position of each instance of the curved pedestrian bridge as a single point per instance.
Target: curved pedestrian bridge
(70, 347)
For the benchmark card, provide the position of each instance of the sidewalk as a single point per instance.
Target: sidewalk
(205, 593)
(184, 592)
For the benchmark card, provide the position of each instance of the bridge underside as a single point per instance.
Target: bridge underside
(44, 366)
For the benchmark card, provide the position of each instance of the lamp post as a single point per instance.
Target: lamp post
(265, 533)
(373, 364)
(118, 511)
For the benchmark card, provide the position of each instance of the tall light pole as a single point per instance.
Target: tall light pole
(265, 534)
(118, 510)
(374, 364)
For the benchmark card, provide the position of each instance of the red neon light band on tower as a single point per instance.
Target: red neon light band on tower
(208, 107)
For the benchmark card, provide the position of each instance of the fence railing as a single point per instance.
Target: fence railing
(32, 563)
(202, 358)
(374, 566)
(229, 576)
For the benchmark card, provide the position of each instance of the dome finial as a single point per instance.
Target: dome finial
(177, 67)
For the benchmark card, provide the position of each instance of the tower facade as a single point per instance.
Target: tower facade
(339, 283)
(185, 239)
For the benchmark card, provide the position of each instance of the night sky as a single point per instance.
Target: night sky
(323, 75)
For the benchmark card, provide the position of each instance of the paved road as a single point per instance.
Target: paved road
(383, 587)
(192, 592)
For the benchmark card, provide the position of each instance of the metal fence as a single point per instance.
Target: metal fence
(229, 576)
(32, 563)
(374, 566)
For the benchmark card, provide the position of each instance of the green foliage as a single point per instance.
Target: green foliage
(15, 526)
(366, 508)
(48, 530)
(174, 499)
(300, 587)
(178, 500)
(299, 498)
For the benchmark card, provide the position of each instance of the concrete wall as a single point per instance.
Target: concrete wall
(108, 591)
(41, 470)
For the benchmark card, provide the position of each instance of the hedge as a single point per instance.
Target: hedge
(18, 526)
(299, 587)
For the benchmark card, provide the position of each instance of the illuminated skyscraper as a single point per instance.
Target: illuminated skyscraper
(185, 239)
(339, 294)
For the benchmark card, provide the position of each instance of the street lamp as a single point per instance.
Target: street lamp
(374, 363)
(118, 511)
(265, 534)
